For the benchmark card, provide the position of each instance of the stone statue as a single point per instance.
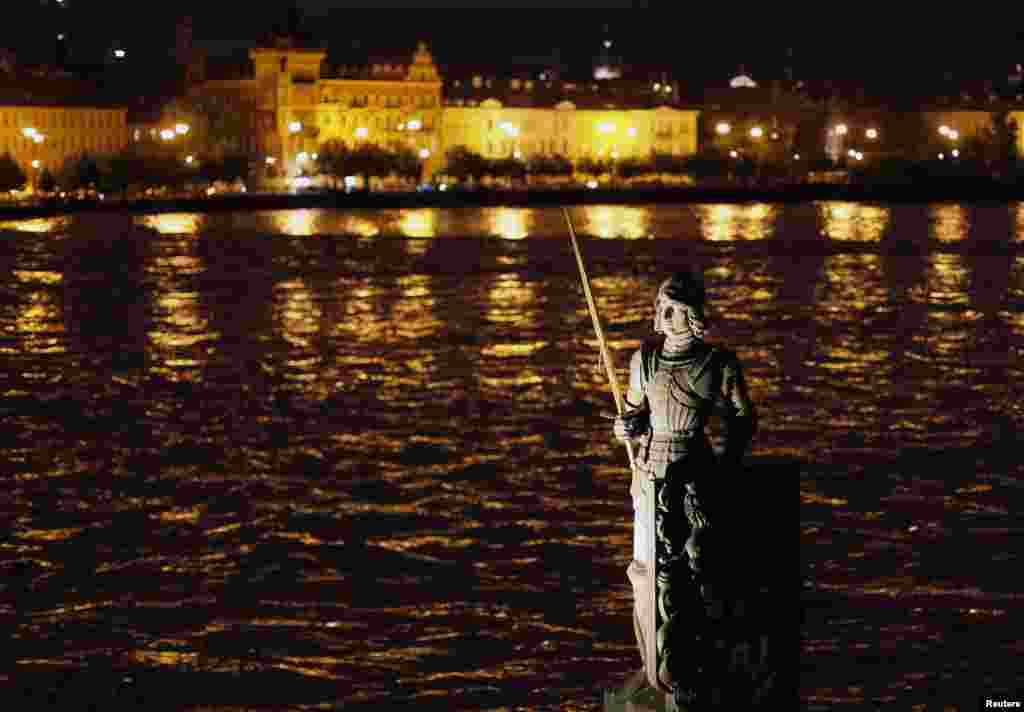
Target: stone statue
(677, 381)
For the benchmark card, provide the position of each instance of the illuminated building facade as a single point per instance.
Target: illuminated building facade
(294, 103)
(44, 121)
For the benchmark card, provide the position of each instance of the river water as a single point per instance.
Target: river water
(310, 458)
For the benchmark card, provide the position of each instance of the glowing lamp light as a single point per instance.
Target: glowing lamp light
(953, 135)
(414, 125)
(615, 154)
(181, 129)
(189, 159)
(841, 129)
(871, 134)
(723, 128)
(859, 156)
(362, 132)
(591, 184)
(668, 89)
(631, 131)
(775, 135)
(944, 130)
(29, 132)
(605, 127)
(657, 86)
(942, 157)
(517, 153)
(733, 154)
(796, 156)
(303, 156)
(295, 127)
(35, 163)
(38, 138)
(314, 156)
(756, 132)
(270, 160)
(401, 127)
(509, 128)
(119, 53)
(166, 134)
(443, 187)
(424, 153)
(851, 153)
(956, 153)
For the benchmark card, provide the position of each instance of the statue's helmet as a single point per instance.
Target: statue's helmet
(683, 288)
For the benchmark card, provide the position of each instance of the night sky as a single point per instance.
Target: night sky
(702, 47)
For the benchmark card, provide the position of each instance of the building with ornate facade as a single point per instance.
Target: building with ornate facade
(294, 102)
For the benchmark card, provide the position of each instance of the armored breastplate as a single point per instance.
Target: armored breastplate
(681, 393)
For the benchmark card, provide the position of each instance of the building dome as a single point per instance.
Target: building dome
(742, 81)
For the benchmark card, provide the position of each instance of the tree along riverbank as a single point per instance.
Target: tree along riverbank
(929, 191)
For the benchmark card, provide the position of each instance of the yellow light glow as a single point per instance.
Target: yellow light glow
(181, 129)
(723, 128)
(35, 163)
(172, 223)
(509, 223)
(425, 153)
(953, 135)
(418, 223)
(414, 125)
(956, 153)
(871, 134)
(615, 154)
(841, 129)
(39, 138)
(295, 127)
(189, 159)
(605, 127)
(29, 132)
(944, 130)
(362, 132)
(851, 153)
(517, 153)
(631, 131)
(270, 160)
(302, 156)
(733, 154)
(657, 86)
(756, 132)
(166, 134)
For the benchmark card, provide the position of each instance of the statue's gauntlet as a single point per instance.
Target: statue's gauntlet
(637, 422)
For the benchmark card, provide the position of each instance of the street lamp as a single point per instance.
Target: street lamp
(871, 134)
(841, 130)
(414, 125)
(631, 131)
(424, 153)
(362, 132)
(295, 127)
(181, 129)
(605, 127)
(723, 128)
(756, 132)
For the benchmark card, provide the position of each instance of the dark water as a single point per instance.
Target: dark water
(312, 459)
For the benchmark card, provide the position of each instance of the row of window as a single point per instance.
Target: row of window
(60, 145)
(388, 123)
(61, 119)
(380, 100)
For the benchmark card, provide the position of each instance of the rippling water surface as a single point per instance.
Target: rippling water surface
(307, 458)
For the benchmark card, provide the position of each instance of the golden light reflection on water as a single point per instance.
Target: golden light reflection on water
(947, 223)
(40, 322)
(52, 224)
(844, 221)
(178, 340)
(947, 279)
(510, 223)
(616, 221)
(296, 223)
(297, 313)
(511, 300)
(421, 222)
(726, 222)
(414, 314)
(173, 223)
(1015, 318)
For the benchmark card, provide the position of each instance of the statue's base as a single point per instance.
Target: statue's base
(637, 695)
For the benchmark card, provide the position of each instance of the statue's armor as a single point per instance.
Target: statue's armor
(679, 394)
